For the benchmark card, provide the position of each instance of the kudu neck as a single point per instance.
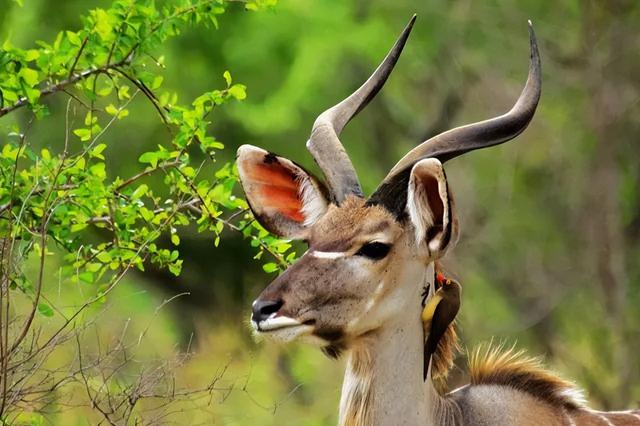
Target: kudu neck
(383, 383)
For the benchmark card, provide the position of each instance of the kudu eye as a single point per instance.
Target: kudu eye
(374, 250)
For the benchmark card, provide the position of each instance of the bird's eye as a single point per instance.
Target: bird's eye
(374, 250)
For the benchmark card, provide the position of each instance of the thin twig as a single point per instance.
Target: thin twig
(147, 92)
(54, 88)
(77, 58)
(147, 172)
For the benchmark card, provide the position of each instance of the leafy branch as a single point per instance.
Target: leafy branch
(66, 202)
(54, 88)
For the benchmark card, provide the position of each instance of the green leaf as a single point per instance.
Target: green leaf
(188, 171)
(157, 82)
(90, 119)
(98, 170)
(238, 91)
(146, 214)
(96, 152)
(270, 267)
(74, 38)
(83, 134)
(111, 109)
(86, 277)
(176, 268)
(45, 310)
(106, 88)
(29, 76)
(103, 24)
(32, 94)
(227, 78)
(78, 227)
(140, 191)
(149, 157)
(123, 93)
(31, 55)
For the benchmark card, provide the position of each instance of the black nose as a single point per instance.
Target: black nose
(263, 308)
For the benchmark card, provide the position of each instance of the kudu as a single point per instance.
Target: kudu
(358, 287)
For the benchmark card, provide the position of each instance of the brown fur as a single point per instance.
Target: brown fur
(360, 400)
(586, 417)
(343, 227)
(495, 365)
(443, 357)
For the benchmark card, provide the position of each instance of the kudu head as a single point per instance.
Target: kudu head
(366, 255)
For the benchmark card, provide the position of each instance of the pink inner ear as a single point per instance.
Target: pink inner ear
(275, 187)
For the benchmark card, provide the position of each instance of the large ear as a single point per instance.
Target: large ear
(284, 198)
(430, 207)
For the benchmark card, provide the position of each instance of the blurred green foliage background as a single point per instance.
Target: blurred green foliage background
(550, 223)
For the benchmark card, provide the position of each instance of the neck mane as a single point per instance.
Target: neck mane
(383, 382)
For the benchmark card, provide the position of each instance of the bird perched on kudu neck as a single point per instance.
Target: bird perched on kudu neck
(438, 313)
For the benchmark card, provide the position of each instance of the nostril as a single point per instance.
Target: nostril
(262, 309)
(271, 307)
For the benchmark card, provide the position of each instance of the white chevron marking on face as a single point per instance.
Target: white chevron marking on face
(327, 254)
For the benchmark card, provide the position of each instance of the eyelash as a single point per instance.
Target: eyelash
(374, 250)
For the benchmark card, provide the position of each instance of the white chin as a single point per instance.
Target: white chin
(281, 329)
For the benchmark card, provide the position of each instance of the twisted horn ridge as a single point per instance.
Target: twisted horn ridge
(324, 143)
(392, 192)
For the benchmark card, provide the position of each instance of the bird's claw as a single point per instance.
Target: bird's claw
(424, 294)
